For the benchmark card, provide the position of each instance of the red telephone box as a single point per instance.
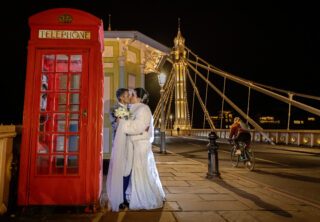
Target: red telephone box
(61, 151)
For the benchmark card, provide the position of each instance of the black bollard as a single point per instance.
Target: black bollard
(213, 167)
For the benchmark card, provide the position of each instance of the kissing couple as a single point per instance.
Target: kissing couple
(133, 179)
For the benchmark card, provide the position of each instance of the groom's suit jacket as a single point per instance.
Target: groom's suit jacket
(113, 118)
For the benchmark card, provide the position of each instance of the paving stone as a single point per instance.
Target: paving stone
(165, 170)
(198, 217)
(166, 178)
(234, 183)
(247, 183)
(195, 178)
(187, 176)
(186, 169)
(258, 201)
(175, 183)
(177, 163)
(211, 205)
(166, 191)
(216, 197)
(182, 197)
(131, 216)
(187, 190)
(200, 183)
(171, 206)
(278, 196)
(237, 216)
(166, 174)
(282, 216)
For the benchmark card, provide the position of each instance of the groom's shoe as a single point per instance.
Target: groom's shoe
(122, 206)
(126, 203)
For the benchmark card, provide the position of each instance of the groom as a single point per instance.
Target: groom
(123, 98)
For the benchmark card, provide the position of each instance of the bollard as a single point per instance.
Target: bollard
(213, 165)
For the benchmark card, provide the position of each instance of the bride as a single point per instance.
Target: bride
(133, 154)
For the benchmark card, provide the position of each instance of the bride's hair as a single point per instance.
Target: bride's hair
(142, 94)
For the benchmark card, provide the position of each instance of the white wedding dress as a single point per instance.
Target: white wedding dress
(133, 153)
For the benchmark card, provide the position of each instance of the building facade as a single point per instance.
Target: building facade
(128, 56)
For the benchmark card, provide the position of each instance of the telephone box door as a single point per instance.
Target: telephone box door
(60, 126)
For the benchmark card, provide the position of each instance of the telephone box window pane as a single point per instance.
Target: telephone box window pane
(60, 122)
(57, 164)
(74, 116)
(75, 82)
(62, 63)
(62, 108)
(73, 165)
(44, 143)
(47, 81)
(58, 143)
(74, 126)
(62, 81)
(45, 122)
(74, 98)
(74, 108)
(48, 63)
(62, 98)
(46, 101)
(43, 101)
(62, 101)
(76, 63)
(73, 122)
(43, 165)
(73, 143)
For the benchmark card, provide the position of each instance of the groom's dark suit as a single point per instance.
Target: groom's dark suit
(114, 124)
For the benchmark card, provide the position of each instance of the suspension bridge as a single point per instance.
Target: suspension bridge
(210, 85)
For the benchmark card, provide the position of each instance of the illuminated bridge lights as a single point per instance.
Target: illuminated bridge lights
(282, 138)
(305, 140)
(293, 139)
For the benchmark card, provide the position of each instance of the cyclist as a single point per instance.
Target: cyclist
(239, 131)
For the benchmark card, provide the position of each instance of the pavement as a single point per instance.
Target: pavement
(191, 197)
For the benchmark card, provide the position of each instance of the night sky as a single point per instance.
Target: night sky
(265, 41)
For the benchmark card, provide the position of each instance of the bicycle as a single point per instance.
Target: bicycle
(246, 156)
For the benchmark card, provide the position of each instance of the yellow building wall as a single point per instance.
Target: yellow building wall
(114, 73)
(134, 68)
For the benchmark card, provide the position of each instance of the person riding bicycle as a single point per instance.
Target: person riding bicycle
(239, 131)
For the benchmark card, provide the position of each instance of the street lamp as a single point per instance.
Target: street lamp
(171, 123)
(162, 80)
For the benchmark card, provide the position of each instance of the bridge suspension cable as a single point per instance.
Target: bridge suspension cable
(258, 84)
(202, 64)
(170, 102)
(260, 89)
(233, 105)
(248, 104)
(222, 103)
(195, 80)
(204, 108)
(205, 100)
(167, 89)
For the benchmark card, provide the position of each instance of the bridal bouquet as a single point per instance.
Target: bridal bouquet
(122, 113)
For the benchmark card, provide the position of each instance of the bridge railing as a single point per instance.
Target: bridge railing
(306, 138)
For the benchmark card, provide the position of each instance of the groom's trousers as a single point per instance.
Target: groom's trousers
(125, 186)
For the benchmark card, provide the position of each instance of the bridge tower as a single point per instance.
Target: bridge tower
(182, 119)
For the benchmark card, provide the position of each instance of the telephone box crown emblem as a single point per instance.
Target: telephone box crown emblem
(65, 18)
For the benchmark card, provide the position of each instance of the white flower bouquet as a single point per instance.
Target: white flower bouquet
(122, 113)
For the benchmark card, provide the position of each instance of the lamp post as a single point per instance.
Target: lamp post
(162, 80)
(171, 123)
